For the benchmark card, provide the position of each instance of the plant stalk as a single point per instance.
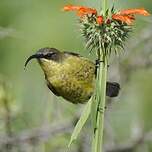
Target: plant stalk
(100, 108)
(100, 93)
(102, 102)
(104, 6)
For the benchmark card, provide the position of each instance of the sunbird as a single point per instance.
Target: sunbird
(70, 75)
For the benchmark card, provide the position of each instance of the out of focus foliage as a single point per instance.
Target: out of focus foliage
(32, 118)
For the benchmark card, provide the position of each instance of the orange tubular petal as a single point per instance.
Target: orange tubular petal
(140, 11)
(71, 8)
(100, 20)
(85, 10)
(124, 18)
(81, 10)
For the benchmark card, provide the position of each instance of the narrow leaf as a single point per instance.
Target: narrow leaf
(81, 122)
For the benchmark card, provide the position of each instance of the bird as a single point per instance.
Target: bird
(70, 75)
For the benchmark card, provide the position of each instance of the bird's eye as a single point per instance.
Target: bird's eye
(49, 55)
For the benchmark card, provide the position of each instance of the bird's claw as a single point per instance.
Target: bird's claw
(101, 109)
(98, 63)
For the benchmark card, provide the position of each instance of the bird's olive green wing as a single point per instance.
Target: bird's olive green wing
(79, 67)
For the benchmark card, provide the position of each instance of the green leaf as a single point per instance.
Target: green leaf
(81, 122)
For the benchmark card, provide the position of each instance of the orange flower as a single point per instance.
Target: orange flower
(140, 11)
(124, 18)
(99, 20)
(71, 8)
(85, 10)
(81, 10)
(127, 15)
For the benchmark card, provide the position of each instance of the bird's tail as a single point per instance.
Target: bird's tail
(112, 89)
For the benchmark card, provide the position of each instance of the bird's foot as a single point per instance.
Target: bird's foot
(98, 63)
(100, 109)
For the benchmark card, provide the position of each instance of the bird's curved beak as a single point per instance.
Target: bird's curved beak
(34, 56)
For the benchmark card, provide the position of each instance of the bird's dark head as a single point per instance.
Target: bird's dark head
(45, 55)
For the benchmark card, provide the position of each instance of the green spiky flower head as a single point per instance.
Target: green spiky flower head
(105, 32)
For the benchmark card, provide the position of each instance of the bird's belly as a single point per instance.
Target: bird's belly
(73, 90)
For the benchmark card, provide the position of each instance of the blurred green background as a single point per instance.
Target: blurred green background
(32, 119)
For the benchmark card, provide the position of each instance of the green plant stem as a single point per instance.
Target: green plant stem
(100, 100)
(104, 6)
(100, 93)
